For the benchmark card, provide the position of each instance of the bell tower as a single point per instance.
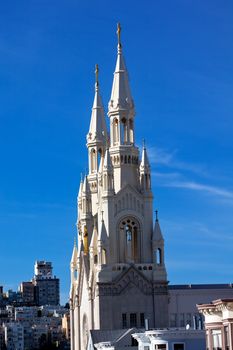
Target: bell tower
(118, 273)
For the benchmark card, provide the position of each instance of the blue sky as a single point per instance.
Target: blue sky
(179, 56)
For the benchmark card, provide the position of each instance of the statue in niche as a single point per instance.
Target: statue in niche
(128, 231)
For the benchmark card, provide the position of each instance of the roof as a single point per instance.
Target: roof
(99, 336)
(200, 286)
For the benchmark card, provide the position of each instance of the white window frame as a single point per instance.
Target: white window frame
(160, 343)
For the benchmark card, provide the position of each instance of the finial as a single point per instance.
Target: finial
(119, 34)
(96, 76)
(75, 242)
(156, 215)
(81, 177)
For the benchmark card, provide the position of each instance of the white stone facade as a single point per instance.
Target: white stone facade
(118, 274)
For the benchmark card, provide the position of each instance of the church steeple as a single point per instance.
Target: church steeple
(121, 105)
(119, 254)
(97, 135)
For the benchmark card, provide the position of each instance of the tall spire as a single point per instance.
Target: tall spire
(94, 240)
(98, 129)
(107, 161)
(121, 98)
(85, 186)
(74, 254)
(80, 189)
(157, 233)
(145, 177)
(145, 165)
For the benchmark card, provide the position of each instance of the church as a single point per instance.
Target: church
(118, 273)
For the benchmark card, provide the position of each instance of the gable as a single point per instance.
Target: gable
(128, 199)
(133, 280)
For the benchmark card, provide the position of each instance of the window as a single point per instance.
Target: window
(124, 321)
(159, 257)
(227, 340)
(142, 320)
(133, 320)
(178, 346)
(217, 339)
(134, 342)
(188, 319)
(160, 347)
(95, 259)
(182, 320)
(130, 239)
(173, 320)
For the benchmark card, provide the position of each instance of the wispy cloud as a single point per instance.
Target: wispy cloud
(180, 174)
(199, 231)
(191, 185)
(169, 159)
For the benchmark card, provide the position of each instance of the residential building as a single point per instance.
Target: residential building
(170, 339)
(14, 336)
(47, 286)
(43, 269)
(28, 292)
(218, 324)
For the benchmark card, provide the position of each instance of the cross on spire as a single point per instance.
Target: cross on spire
(96, 76)
(119, 34)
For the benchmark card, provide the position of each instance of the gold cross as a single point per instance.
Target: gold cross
(96, 73)
(119, 33)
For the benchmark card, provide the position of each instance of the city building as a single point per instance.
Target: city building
(14, 336)
(118, 273)
(43, 269)
(47, 286)
(218, 324)
(28, 292)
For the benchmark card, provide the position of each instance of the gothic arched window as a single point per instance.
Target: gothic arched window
(115, 131)
(129, 240)
(93, 160)
(158, 255)
(131, 135)
(124, 131)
